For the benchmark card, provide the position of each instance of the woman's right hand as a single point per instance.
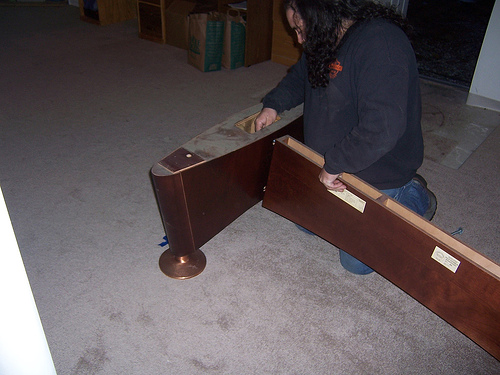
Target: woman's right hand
(265, 118)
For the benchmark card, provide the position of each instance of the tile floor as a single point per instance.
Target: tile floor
(452, 130)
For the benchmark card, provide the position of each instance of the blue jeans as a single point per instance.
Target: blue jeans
(413, 196)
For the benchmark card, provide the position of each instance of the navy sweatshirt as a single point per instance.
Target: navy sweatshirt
(367, 120)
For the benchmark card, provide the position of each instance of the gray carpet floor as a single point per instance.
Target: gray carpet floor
(85, 111)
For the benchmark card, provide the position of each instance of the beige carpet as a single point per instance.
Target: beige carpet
(85, 111)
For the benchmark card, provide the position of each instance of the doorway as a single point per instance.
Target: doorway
(447, 37)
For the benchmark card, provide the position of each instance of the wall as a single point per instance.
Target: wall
(23, 346)
(485, 87)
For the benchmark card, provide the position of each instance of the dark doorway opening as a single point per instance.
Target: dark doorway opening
(447, 37)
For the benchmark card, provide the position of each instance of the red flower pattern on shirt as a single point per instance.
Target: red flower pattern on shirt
(335, 68)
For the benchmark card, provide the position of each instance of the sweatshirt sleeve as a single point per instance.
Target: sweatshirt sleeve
(382, 83)
(290, 91)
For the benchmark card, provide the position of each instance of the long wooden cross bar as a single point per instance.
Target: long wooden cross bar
(451, 279)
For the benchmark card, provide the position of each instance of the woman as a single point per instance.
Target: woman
(359, 83)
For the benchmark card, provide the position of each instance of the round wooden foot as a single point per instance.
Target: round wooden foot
(184, 267)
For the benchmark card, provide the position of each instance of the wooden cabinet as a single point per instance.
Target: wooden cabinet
(151, 19)
(285, 48)
(258, 15)
(259, 28)
(107, 11)
(165, 21)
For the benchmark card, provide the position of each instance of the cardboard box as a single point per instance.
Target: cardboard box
(177, 24)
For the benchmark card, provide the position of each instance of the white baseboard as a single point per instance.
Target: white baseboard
(483, 102)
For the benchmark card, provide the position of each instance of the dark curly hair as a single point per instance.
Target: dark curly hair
(324, 20)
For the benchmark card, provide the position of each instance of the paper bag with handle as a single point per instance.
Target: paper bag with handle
(206, 36)
(233, 55)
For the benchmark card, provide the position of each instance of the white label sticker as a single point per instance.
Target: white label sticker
(445, 259)
(351, 199)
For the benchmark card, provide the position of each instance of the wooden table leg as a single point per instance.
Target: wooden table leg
(198, 198)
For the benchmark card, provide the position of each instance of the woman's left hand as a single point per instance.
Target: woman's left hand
(331, 181)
